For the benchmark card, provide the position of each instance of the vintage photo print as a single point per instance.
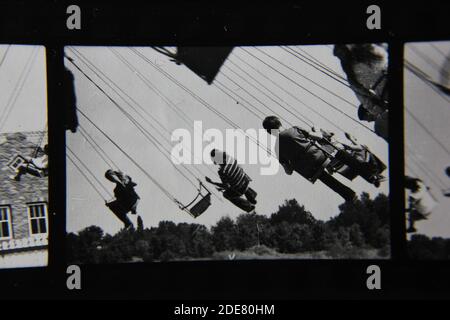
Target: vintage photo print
(23, 157)
(427, 148)
(213, 153)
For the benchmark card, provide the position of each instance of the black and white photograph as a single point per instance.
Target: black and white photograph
(427, 149)
(227, 153)
(23, 157)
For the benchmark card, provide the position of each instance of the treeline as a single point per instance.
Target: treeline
(422, 247)
(359, 227)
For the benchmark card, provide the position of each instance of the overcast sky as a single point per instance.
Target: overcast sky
(425, 157)
(26, 96)
(86, 207)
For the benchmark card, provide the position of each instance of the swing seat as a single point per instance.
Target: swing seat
(201, 206)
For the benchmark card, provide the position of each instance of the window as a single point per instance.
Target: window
(37, 213)
(16, 162)
(5, 223)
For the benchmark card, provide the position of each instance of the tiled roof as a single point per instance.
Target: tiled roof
(11, 145)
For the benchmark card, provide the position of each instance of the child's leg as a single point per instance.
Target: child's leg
(251, 194)
(134, 207)
(118, 211)
(238, 201)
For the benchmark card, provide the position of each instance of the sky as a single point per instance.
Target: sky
(23, 83)
(425, 158)
(86, 207)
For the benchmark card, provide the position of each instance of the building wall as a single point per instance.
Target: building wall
(24, 259)
(18, 194)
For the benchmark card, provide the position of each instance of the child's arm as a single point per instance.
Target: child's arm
(218, 184)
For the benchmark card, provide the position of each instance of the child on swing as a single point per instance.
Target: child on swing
(126, 197)
(37, 166)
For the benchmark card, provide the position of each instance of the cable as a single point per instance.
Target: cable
(304, 120)
(425, 58)
(435, 47)
(96, 147)
(290, 94)
(170, 104)
(4, 55)
(146, 134)
(427, 80)
(18, 88)
(365, 92)
(300, 117)
(419, 166)
(72, 154)
(86, 177)
(294, 53)
(322, 65)
(222, 88)
(199, 99)
(302, 87)
(424, 167)
(142, 130)
(163, 190)
(432, 136)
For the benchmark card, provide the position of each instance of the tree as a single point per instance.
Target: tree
(356, 236)
(140, 224)
(292, 212)
(247, 231)
(224, 234)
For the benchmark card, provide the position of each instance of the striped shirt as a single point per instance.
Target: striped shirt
(232, 174)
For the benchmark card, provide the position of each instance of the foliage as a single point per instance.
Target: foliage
(357, 228)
